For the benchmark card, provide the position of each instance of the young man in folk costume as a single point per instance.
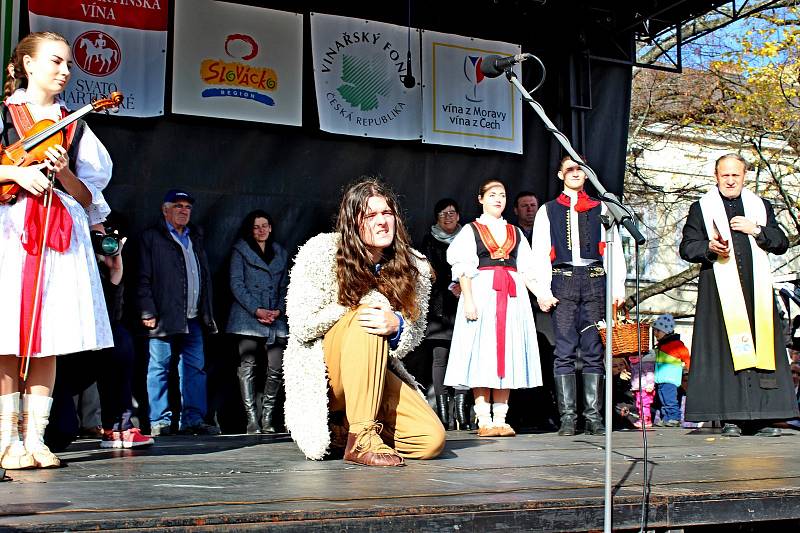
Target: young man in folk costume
(356, 305)
(71, 314)
(569, 243)
(738, 354)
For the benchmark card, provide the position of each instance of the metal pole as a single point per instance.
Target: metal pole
(607, 501)
(615, 214)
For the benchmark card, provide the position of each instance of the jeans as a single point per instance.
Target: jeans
(191, 374)
(668, 394)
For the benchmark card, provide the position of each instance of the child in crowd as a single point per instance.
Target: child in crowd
(625, 413)
(643, 385)
(672, 359)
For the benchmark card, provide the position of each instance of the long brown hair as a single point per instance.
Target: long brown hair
(17, 77)
(398, 274)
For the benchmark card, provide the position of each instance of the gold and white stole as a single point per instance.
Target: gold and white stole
(746, 353)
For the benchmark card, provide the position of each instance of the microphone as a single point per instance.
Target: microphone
(494, 66)
(408, 79)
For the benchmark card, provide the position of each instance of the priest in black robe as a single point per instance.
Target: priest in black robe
(747, 400)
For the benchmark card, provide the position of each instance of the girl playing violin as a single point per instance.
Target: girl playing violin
(53, 301)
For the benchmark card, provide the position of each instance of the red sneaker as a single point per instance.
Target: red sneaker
(130, 438)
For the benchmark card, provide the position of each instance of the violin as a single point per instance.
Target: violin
(31, 149)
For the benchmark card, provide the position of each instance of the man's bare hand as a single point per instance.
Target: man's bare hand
(743, 225)
(378, 319)
(719, 246)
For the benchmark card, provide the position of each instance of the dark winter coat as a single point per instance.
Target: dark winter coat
(443, 303)
(161, 292)
(255, 284)
(716, 392)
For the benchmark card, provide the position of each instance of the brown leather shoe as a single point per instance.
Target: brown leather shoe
(505, 431)
(367, 448)
(489, 431)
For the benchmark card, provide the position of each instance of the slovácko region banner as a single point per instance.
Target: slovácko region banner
(461, 106)
(116, 46)
(237, 61)
(358, 66)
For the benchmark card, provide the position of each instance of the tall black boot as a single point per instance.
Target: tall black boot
(565, 394)
(461, 410)
(246, 386)
(593, 404)
(271, 389)
(443, 409)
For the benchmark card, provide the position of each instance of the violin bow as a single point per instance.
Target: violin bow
(37, 291)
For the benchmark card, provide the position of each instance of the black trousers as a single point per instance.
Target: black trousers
(112, 368)
(581, 294)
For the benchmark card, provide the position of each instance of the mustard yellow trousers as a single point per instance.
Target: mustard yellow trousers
(364, 388)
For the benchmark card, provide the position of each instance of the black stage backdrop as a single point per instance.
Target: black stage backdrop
(297, 173)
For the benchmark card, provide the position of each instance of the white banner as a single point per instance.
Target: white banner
(462, 107)
(358, 66)
(115, 47)
(239, 62)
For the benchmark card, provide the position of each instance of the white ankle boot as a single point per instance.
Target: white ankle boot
(13, 455)
(35, 416)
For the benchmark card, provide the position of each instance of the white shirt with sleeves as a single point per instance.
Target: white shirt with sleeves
(542, 244)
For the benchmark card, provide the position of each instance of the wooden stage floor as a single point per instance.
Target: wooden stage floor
(534, 482)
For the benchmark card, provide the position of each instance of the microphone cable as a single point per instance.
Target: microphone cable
(645, 480)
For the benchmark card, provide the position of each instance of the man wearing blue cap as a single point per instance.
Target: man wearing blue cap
(174, 297)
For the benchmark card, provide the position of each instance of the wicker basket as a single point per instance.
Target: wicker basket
(624, 337)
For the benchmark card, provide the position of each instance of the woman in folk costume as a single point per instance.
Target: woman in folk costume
(65, 312)
(356, 305)
(494, 346)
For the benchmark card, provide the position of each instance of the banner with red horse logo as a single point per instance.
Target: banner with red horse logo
(116, 46)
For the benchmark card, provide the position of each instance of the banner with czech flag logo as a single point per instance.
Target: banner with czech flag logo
(116, 46)
(461, 106)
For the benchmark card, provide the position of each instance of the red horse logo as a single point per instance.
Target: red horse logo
(96, 53)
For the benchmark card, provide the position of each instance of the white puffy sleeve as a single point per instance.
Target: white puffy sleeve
(462, 254)
(526, 265)
(93, 167)
(541, 246)
(619, 272)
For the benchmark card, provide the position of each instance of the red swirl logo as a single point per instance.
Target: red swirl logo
(236, 45)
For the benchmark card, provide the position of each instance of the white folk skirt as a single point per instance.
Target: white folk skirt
(74, 315)
(473, 353)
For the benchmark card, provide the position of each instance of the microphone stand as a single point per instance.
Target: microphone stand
(617, 214)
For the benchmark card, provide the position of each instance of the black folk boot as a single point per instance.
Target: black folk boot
(272, 388)
(246, 373)
(461, 410)
(566, 396)
(443, 409)
(593, 404)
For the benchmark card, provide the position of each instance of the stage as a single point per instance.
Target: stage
(538, 482)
